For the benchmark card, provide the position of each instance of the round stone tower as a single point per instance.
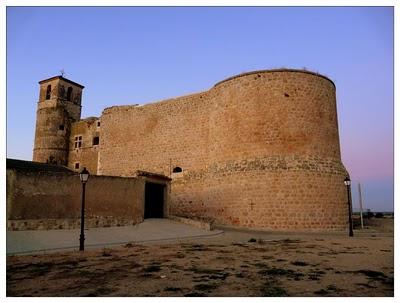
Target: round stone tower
(276, 134)
(59, 105)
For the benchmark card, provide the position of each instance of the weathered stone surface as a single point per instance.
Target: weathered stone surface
(46, 224)
(56, 111)
(52, 200)
(87, 155)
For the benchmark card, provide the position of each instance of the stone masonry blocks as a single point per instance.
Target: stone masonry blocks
(259, 150)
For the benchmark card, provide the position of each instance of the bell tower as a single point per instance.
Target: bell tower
(59, 105)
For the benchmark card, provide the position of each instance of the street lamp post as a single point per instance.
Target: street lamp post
(347, 182)
(84, 176)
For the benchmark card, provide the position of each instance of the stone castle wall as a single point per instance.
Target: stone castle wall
(52, 200)
(155, 137)
(259, 150)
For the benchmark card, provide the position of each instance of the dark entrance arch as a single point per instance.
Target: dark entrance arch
(154, 200)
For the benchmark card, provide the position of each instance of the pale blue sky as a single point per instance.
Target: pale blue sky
(139, 55)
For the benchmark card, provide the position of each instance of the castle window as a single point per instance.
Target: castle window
(69, 93)
(77, 165)
(61, 127)
(78, 142)
(98, 123)
(48, 92)
(177, 170)
(96, 140)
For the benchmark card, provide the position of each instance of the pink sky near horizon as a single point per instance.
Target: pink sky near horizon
(368, 162)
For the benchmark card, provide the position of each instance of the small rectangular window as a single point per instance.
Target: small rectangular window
(61, 127)
(96, 140)
(77, 165)
(98, 124)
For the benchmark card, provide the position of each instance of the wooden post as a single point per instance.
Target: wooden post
(361, 205)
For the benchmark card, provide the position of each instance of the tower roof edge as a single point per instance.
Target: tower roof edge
(61, 77)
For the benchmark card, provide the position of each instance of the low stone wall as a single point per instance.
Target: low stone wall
(52, 200)
(18, 225)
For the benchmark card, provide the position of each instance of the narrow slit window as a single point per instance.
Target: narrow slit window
(69, 93)
(48, 92)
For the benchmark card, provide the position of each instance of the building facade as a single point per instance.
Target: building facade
(258, 150)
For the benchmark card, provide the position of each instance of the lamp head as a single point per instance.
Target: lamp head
(347, 181)
(84, 175)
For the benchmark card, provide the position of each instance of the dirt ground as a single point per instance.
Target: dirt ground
(237, 263)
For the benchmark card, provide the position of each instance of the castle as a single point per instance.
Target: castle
(258, 150)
